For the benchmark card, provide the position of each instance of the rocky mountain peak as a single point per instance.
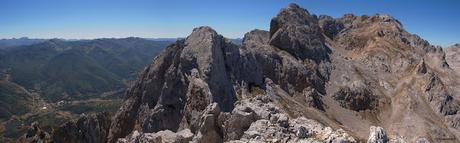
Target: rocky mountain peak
(292, 15)
(177, 87)
(256, 37)
(203, 34)
(297, 32)
(202, 29)
(204, 51)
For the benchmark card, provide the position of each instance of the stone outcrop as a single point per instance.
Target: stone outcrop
(88, 128)
(439, 97)
(284, 129)
(35, 135)
(165, 136)
(330, 26)
(209, 127)
(377, 135)
(357, 97)
(452, 56)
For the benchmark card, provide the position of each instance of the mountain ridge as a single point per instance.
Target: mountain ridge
(309, 78)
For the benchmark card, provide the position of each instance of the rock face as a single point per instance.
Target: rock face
(180, 83)
(308, 79)
(452, 56)
(35, 135)
(88, 128)
(166, 136)
(297, 32)
(91, 128)
(377, 135)
(358, 97)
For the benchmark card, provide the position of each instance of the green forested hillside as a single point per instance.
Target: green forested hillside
(74, 74)
(59, 69)
(14, 100)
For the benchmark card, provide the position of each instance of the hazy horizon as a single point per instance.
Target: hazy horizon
(85, 19)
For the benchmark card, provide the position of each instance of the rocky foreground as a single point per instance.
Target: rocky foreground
(308, 79)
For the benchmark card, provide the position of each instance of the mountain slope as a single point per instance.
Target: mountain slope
(25, 61)
(14, 96)
(407, 82)
(73, 73)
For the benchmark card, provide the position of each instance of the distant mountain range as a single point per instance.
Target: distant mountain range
(5, 43)
(59, 69)
(23, 41)
(163, 39)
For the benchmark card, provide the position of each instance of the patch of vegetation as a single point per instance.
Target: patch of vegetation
(93, 107)
(256, 90)
(14, 100)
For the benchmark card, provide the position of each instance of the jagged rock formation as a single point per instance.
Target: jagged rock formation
(377, 135)
(308, 79)
(181, 82)
(166, 136)
(35, 135)
(89, 129)
(452, 56)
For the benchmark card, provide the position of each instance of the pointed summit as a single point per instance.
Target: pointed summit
(297, 32)
(291, 15)
(203, 34)
(204, 29)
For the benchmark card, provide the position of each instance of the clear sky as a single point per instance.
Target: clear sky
(437, 21)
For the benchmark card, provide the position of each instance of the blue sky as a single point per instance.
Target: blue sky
(436, 21)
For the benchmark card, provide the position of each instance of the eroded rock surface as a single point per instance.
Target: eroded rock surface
(377, 135)
(165, 136)
(35, 135)
(453, 56)
(88, 128)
